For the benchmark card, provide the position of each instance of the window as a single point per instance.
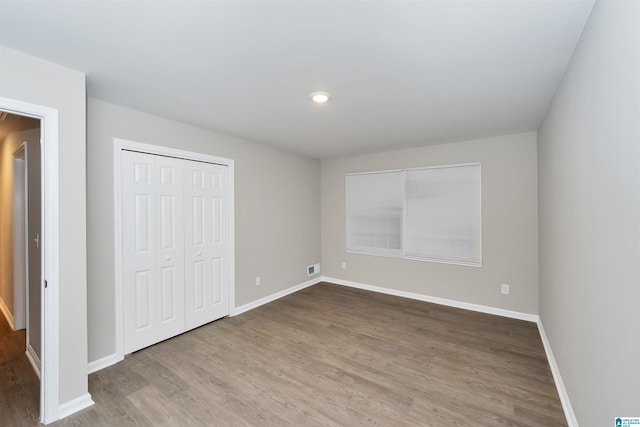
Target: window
(429, 214)
(374, 213)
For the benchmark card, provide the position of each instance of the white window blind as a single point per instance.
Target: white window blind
(443, 214)
(374, 213)
(431, 214)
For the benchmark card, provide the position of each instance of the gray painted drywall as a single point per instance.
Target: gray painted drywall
(29, 79)
(589, 191)
(8, 146)
(509, 225)
(277, 209)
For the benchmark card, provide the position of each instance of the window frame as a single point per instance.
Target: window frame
(403, 231)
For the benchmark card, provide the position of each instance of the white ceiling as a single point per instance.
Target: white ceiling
(401, 73)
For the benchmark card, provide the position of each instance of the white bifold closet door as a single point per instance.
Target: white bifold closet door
(207, 243)
(175, 246)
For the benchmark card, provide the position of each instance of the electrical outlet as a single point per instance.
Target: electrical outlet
(504, 288)
(258, 281)
(344, 265)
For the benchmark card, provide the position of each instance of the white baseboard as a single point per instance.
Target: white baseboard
(7, 313)
(104, 362)
(75, 405)
(562, 392)
(112, 359)
(442, 301)
(81, 403)
(572, 421)
(33, 359)
(262, 301)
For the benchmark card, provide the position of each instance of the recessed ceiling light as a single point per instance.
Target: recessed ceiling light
(320, 97)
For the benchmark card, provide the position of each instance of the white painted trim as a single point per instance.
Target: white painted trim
(117, 224)
(401, 253)
(457, 165)
(123, 144)
(33, 359)
(50, 319)
(572, 421)
(233, 311)
(436, 300)
(105, 362)
(50, 231)
(232, 237)
(7, 313)
(370, 173)
(562, 392)
(557, 378)
(270, 298)
(75, 405)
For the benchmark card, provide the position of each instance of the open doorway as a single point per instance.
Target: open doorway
(21, 259)
(50, 408)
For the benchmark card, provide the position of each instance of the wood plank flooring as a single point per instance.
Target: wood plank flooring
(19, 385)
(335, 356)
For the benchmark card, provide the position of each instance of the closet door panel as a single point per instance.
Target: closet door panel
(140, 250)
(220, 262)
(207, 243)
(170, 254)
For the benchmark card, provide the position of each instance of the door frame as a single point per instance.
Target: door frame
(21, 296)
(118, 146)
(50, 263)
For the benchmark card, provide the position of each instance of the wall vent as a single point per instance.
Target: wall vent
(313, 269)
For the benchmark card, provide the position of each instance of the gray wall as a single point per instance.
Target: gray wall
(277, 209)
(33, 80)
(509, 225)
(589, 190)
(7, 147)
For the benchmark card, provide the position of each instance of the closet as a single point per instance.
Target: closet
(175, 246)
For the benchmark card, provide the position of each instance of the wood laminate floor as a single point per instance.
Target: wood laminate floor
(19, 385)
(335, 356)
